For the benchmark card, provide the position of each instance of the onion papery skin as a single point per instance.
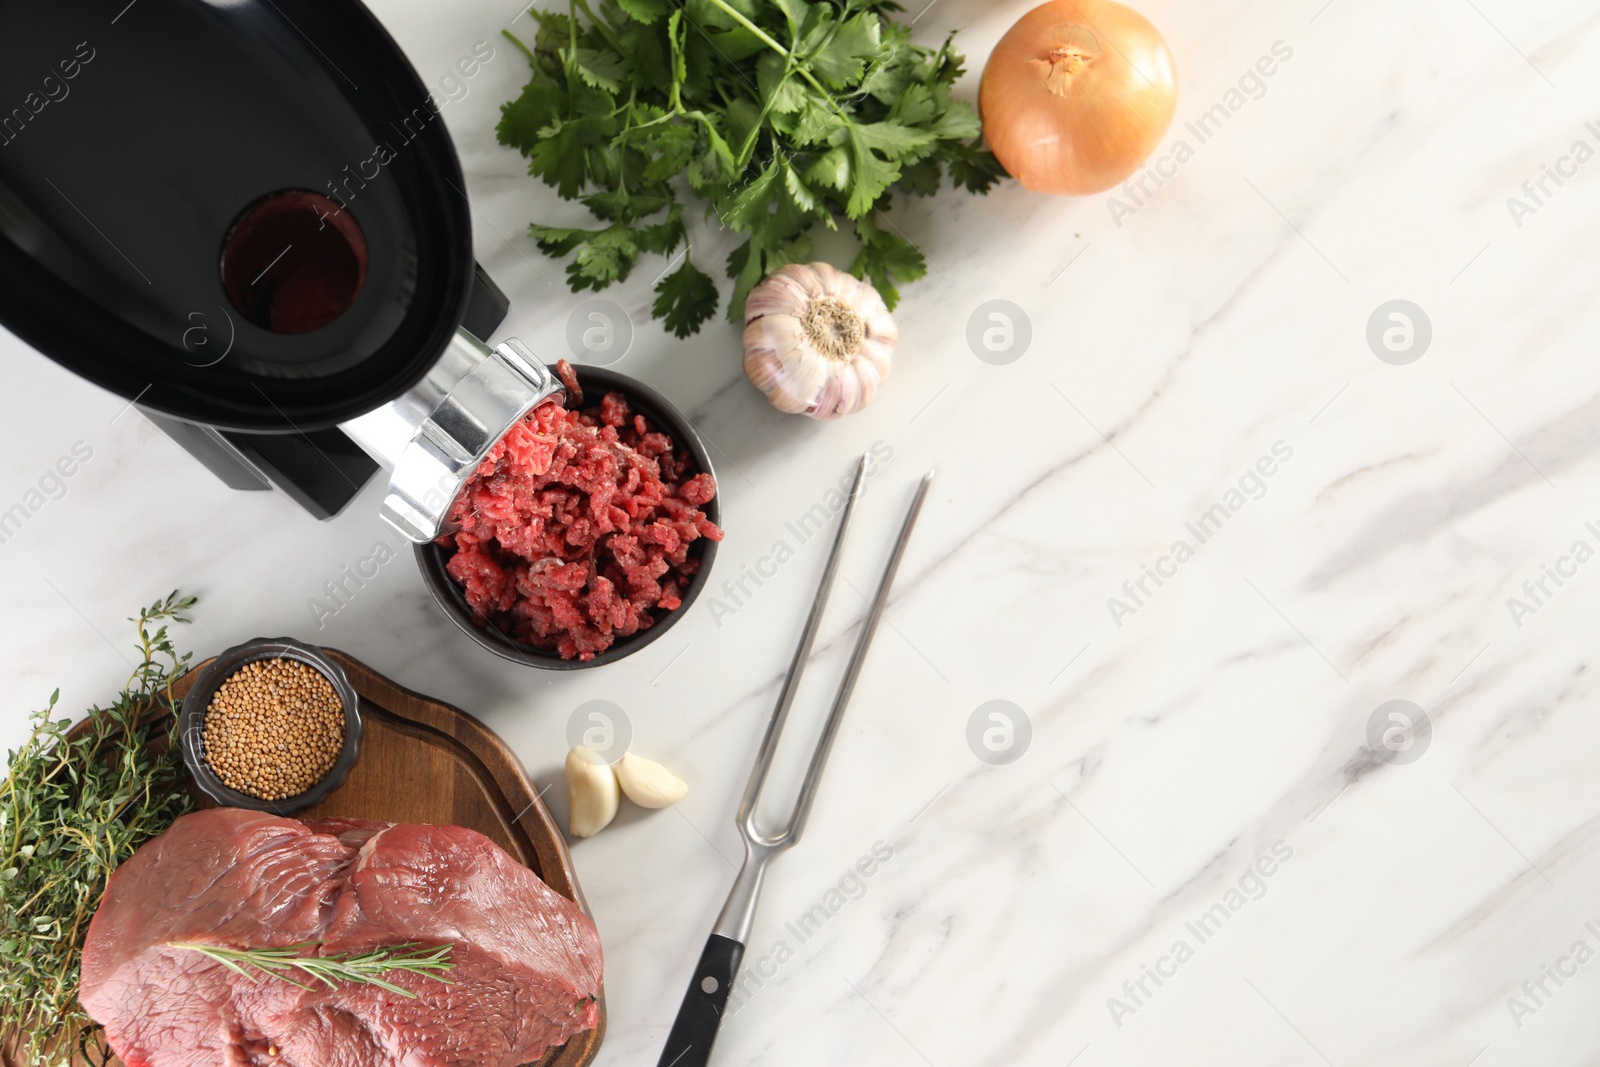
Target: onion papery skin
(1116, 91)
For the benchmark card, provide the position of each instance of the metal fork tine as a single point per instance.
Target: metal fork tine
(869, 626)
(791, 683)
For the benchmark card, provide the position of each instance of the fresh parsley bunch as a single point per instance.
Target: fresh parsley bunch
(779, 114)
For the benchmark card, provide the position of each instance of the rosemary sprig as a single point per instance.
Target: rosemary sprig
(366, 968)
(70, 812)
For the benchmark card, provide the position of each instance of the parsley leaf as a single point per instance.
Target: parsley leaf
(877, 150)
(644, 11)
(557, 157)
(885, 257)
(749, 205)
(779, 92)
(684, 299)
(604, 256)
(540, 105)
(842, 54)
(663, 237)
(601, 69)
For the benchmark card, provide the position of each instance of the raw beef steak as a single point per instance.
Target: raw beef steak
(526, 960)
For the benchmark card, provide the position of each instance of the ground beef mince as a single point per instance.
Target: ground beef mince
(578, 526)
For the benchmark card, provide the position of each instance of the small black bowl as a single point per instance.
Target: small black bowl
(662, 415)
(192, 716)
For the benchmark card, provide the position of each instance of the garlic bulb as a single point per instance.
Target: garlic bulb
(817, 341)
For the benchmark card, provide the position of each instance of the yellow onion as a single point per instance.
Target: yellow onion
(1077, 95)
(817, 341)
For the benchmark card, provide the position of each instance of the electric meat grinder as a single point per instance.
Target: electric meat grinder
(247, 218)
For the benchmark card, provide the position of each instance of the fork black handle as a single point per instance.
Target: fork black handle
(695, 1029)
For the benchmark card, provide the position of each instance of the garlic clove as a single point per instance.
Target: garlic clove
(782, 337)
(592, 796)
(768, 375)
(849, 288)
(648, 784)
(791, 382)
(879, 351)
(779, 297)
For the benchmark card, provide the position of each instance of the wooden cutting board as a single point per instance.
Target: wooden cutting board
(427, 762)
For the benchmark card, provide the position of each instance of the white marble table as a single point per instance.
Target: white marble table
(1199, 799)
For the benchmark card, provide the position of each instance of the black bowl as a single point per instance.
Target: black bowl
(191, 722)
(662, 415)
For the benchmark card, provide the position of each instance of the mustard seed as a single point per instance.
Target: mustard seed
(274, 729)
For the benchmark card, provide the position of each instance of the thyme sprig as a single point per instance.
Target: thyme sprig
(70, 812)
(366, 968)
